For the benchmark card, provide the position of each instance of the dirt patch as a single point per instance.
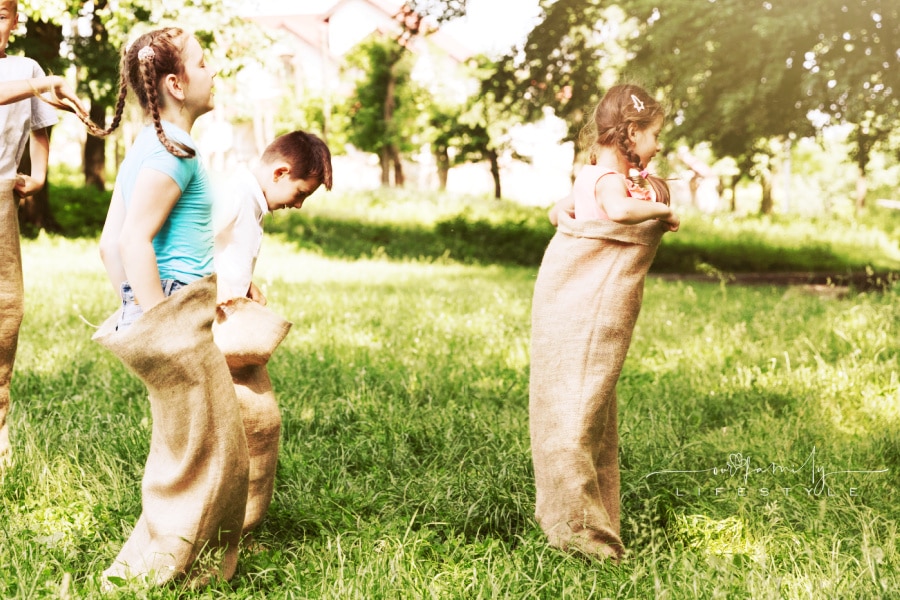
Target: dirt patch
(818, 283)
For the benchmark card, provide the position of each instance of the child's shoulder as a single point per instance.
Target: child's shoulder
(20, 67)
(592, 173)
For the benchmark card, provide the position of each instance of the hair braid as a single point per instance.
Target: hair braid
(148, 75)
(120, 107)
(626, 147)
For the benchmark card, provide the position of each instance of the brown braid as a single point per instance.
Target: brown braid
(120, 106)
(144, 76)
(141, 77)
(56, 102)
(149, 78)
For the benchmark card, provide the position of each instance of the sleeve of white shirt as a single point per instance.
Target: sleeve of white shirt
(235, 250)
(42, 114)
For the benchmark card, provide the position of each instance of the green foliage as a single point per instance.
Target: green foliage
(79, 210)
(381, 110)
(567, 60)
(404, 468)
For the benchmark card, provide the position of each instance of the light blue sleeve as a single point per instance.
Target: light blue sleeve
(181, 170)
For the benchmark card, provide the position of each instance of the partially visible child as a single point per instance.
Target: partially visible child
(23, 117)
(291, 168)
(587, 298)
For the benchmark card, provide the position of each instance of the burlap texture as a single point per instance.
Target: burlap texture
(12, 295)
(587, 298)
(248, 333)
(194, 490)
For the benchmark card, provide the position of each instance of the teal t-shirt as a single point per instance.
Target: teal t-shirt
(184, 244)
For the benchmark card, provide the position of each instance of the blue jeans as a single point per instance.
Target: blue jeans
(131, 310)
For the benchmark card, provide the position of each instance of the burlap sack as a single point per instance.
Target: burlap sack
(587, 298)
(247, 333)
(12, 294)
(194, 490)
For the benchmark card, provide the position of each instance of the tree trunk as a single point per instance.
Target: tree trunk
(766, 204)
(399, 178)
(95, 151)
(384, 161)
(442, 159)
(495, 173)
(733, 187)
(34, 212)
(862, 188)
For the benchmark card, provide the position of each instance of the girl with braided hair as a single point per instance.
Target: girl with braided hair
(158, 239)
(158, 232)
(616, 185)
(587, 298)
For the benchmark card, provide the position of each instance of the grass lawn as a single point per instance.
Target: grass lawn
(760, 447)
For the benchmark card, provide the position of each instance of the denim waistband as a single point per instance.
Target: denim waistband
(168, 287)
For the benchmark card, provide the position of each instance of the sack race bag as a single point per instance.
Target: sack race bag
(194, 490)
(247, 333)
(12, 302)
(587, 297)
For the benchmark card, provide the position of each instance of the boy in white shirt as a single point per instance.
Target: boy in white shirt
(291, 168)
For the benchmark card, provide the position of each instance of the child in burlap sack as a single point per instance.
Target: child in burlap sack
(23, 118)
(587, 298)
(157, 247)
(290, 169)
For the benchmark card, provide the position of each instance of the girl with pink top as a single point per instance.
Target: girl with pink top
(587, 298)
(628, 121)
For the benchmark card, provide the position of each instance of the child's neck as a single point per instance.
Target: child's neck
(611, 158)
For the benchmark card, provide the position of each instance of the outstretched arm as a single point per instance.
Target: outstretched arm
(13, 91)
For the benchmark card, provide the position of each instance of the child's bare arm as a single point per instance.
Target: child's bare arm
(13, 91)
(109, 241)
(613, 197)
(39, 150)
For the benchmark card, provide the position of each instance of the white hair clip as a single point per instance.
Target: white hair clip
(146, 53)
(638, 105)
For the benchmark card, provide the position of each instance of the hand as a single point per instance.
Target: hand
(672, 222)
(26, 185)
(255, 294)
(63, 91)
(566, 205)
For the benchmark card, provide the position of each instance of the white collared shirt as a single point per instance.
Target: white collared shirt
(19, 119)
(238, 224)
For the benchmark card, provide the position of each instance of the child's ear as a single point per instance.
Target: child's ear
(280, 171)
(632, 131)
(173, 86)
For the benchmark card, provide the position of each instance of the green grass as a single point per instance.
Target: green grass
(405, 467)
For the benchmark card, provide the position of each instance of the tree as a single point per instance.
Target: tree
(566, 62)
(854, 74)
(731, 71)
(382, 110)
